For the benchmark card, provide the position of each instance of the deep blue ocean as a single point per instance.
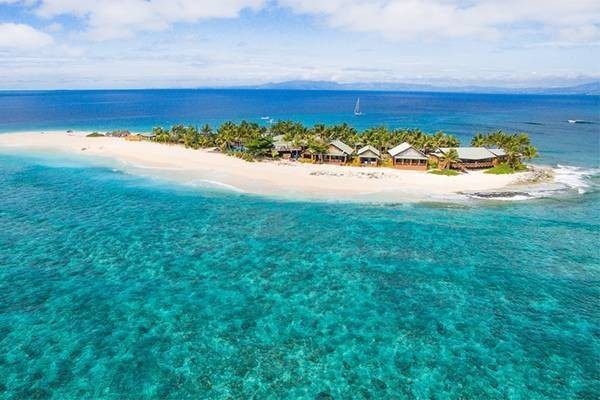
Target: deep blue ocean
(114, 286)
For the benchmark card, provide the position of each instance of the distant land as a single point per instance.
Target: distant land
(591, 88)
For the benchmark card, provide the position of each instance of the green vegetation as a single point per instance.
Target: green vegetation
(258, 140)
(445, 172)
(504, 168)
(517, 146)
(260, 146)
(254, 141)
(450, 158)
(95, 134)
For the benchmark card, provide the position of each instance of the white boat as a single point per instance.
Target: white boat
(266, 118)
(357, 111)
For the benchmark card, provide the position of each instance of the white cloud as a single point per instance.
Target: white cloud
(21, 36)
(55, 27)
(111, 19)
(394, 19)
(428, 40)
(407, 19)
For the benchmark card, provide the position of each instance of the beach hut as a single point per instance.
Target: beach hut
(138, 137)
(284, 148)
(468, 157)
(405, 156)
(338, 152)
(500, 155)
(147, 135)
(368, 155)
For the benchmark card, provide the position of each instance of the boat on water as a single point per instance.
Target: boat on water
(265, 118)
(578, 121)
(357, 111)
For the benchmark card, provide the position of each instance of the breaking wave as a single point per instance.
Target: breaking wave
(575, 178)
(566, 179)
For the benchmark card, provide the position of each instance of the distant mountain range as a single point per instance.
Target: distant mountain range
(592, 88)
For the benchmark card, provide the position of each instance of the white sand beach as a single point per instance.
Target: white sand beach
(271, 178)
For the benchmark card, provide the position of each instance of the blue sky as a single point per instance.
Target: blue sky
(190, 43)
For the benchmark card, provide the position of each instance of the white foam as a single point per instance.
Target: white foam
(576, 178)
(516, 197)
(211, 183)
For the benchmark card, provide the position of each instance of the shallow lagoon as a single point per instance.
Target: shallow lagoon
(113, 286)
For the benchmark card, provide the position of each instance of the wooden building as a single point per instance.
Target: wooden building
(468, 157)
(286, 149)
(369, 156)
(338, 152)
(405, 156)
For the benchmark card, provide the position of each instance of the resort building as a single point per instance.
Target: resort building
(500, 154)
(138, 137)
(337, 153)
(284, 148)
(369, 155)
(405, 156)
(468, 157)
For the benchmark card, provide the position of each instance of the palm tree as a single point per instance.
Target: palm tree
(176, 134)
(207, 136)
(478, 140)
(260, 146)
(226, 135)
(317, 148)
(206, 130)
(191, 137)
(449, 158)
(323, 132)
(530, 152)
(162, 136)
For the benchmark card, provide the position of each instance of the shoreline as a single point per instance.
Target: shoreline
(281, 179)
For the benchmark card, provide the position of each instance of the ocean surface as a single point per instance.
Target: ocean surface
(115, 286)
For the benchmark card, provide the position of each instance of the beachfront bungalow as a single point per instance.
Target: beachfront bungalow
(138, 137)
(405, 156)
(368, 155)
(285, 149)
(338, 152)
(468, 157)
(118, 133)
(500, 155)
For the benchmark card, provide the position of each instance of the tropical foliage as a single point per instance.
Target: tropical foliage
(445, 172)
(449, 158)
(517, 146)
(256, 141)
(504, 168)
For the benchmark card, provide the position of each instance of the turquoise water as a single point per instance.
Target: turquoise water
(545, 118)
(113, 286)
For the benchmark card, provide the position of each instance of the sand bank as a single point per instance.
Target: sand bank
(272, 178)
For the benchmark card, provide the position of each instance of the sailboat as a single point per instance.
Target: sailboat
(357, 111)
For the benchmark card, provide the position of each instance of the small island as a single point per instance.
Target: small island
(288, 159)
(409, 149)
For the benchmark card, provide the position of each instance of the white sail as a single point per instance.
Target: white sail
(357, 107)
